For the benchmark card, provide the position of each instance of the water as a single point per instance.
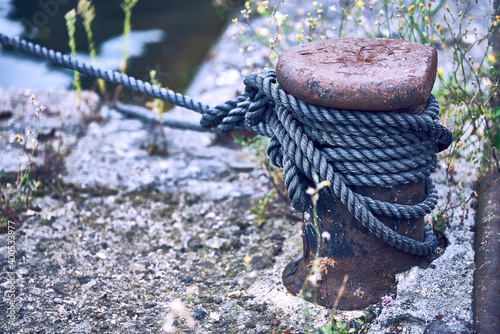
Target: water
(169, 36)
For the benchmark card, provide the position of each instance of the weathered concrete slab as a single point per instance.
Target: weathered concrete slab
(137, 232)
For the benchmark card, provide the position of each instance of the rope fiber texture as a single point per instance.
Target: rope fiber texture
(347, 148)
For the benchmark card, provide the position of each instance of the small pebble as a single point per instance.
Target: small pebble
(235, 294)
(250, 324)
(214, 316)
(276, 249)
(199, 314)
(251, 217)
(58, 300)
(225, 324)
(215, 242)
(101, 255)
(260, 307)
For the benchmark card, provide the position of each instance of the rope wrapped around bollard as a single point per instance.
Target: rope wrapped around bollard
(371, 149)
(364, 148)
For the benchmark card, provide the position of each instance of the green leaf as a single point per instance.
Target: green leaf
(496, 140)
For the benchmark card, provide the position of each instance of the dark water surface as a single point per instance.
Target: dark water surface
(170, 36)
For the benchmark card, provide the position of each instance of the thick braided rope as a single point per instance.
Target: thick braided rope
(293, 139)
(365, 149)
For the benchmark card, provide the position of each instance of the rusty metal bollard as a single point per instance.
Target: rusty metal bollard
(357, 74)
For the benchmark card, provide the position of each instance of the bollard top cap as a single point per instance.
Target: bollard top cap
(359, 73)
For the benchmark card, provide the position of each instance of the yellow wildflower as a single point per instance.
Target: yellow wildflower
(427, 20)
(412, 7)
(360, 4)
(247, 259)
(491, 58)
(235, 20)
(420, 5)
(298, 36)
(447, 8)
(271, 57)
(440, 71)
(315, 4)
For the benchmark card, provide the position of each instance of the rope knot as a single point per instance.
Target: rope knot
(246, 111)
(260, 108)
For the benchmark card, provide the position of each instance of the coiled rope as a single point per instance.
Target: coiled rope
(363, 148)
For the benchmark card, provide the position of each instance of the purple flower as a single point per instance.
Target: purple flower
(387, 301)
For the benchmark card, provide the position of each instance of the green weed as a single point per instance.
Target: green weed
(15, 198)
(127, 6)
(260, 205)
(71, 26)
(158, 107)
(87, 11)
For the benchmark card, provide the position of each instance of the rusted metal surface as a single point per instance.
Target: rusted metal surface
(369, 262)
(486, 305)
(359, 74)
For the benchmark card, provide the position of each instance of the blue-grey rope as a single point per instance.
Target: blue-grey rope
(148, 117)
(362, 148)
